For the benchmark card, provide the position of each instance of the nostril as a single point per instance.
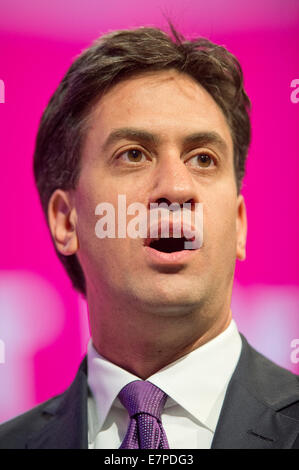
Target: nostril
(174, 204)
(163, 199)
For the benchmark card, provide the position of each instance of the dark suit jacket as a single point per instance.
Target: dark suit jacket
(260, 411)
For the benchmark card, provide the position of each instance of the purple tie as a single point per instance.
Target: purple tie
(144, 402)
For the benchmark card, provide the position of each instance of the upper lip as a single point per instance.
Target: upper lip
(187, 232)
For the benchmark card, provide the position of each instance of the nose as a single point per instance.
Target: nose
(173, 182)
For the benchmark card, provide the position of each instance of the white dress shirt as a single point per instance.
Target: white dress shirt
(195, 384)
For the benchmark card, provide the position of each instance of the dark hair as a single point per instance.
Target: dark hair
(112, 58)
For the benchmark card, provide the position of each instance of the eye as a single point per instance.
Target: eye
(132, 155)
(203, 160)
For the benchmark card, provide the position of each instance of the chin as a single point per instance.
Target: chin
(173, 302)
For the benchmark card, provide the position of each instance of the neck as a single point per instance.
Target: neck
(143, 343)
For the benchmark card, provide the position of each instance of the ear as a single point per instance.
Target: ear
(62, 221)
(241, 226)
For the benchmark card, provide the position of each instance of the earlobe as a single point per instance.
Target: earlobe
(62, 222)
(241, 226)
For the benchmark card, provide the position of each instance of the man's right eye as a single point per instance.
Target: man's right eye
(132, 155)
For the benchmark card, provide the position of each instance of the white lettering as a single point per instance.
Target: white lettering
(108, 219)
(295, 353)
(295, 93)
(2, 92)
(2, 352)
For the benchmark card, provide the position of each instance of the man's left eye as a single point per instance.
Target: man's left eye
(203, 160)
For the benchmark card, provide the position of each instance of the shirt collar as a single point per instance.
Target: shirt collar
(197, 381)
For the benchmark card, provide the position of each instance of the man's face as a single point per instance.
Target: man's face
(171, 168)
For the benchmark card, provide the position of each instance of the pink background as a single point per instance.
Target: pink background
(43, 322)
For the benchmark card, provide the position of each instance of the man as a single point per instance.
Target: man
(154, 120)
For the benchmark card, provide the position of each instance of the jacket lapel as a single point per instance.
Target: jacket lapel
(250, 417)
(63, 422)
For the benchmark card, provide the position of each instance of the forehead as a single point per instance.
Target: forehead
(168, 103)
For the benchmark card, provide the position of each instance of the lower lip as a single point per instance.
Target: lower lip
(176, 257)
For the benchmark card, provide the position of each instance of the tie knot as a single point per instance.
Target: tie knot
(143, 397)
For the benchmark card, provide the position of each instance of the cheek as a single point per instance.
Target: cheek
(92, 191)
(220, 226)
(87, 200)
(91, 225)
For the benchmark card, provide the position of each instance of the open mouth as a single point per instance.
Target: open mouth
(169, 245)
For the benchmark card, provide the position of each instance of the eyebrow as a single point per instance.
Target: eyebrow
(141, 135)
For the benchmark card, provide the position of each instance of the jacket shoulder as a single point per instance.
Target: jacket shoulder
(59, 422)
(15, 432)
(271, 383)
